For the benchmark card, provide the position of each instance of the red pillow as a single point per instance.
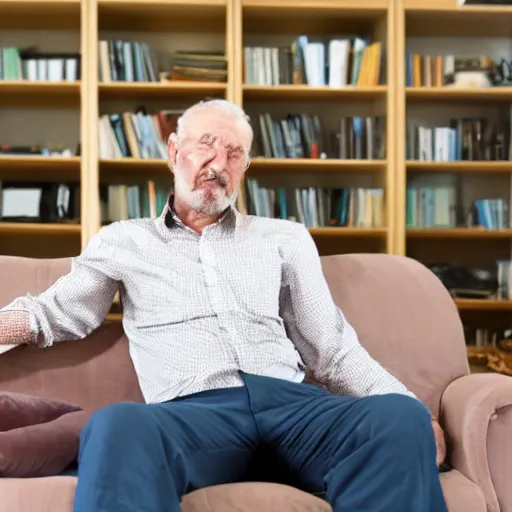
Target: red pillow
(45, 449)
(20, 410)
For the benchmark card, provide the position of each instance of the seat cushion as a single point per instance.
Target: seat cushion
(461, 494)
(252, 497)
(56, 493)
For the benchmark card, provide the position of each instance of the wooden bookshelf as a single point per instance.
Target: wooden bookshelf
(483, 305)
(459, 167)
(306, 92)
(437, 28)
(26, 93)
(458, 94)
(331, 165)
(232, 25)
(183, 89)
(457, 233)
(21, 228)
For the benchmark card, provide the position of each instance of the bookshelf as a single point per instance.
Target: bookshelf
(68, 112)
(40, 106)
(276, 25)
(470, 169)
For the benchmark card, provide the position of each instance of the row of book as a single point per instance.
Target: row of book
(134, 61)
(317, 206)
(439, 70)
(337, 63)
(302, 136)
(33, 65)
(136, 134)
(314, 207)
(129, 61)
(472, 139)
(437, 207)
(124, 202)
(48, 151)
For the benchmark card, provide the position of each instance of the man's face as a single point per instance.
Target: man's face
(209, 161)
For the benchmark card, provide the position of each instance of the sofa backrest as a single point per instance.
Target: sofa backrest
(404, 317)
(92, 372)
(402, 313)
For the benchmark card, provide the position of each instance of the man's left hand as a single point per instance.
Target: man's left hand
(440, 442)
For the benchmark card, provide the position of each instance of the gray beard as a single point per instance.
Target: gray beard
(196, 201)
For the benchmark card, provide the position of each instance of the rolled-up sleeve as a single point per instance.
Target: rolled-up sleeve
(76, 304)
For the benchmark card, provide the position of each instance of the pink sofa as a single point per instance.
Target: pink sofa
(404, 317)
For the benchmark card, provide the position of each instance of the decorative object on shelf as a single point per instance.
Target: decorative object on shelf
(503, 73)
(497, 357)
(467, 283)
(471, 79)
(504, 278)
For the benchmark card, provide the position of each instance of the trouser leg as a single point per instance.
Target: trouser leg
(144, 458)
(374, 454)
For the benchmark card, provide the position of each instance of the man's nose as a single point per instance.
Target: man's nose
(220, 161)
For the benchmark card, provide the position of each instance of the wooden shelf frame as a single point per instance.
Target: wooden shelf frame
(391, 19)
(394, 20)
(91, 16)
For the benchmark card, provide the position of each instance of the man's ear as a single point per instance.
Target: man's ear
(172, 148)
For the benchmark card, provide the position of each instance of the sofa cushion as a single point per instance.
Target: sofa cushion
(20, 410)
(44, 449)
(461, 494)
(252, 497)
(57, 494)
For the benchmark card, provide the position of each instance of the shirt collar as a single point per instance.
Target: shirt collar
(170, 219)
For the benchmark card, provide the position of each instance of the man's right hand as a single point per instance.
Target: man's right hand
(15, 329)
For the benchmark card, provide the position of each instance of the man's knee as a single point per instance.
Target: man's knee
(400, 419)
(116, 419)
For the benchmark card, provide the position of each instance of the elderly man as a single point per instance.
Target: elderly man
(223, 313)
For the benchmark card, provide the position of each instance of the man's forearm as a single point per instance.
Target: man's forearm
(16, 328)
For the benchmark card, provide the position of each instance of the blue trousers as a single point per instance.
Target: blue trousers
(373, 454)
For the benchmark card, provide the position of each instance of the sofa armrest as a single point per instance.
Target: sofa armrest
(469, 406)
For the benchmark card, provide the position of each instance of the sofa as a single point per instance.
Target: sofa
(405, 318)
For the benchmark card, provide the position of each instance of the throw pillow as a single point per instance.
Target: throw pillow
(20, 410)
(45, 449)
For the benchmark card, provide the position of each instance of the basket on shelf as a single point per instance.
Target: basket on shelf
(497, 358)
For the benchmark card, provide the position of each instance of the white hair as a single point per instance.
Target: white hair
(225, 107)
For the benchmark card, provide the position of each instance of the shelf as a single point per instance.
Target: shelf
(348, 232)
(24, 228)
(316, 165)
(483, 305)
(306, 92)
(445, 20)
(39, 168)
(162, 15)
(305, 16)
(133, 167)
(459, 167)
(40, 14)
(28, 94)
(459, 233)
(451, 94)
(168, 90)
